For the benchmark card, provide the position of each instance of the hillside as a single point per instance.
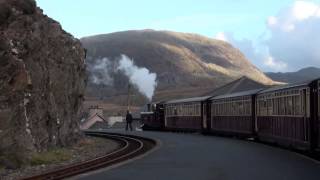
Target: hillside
(185, 64)
(294, 77)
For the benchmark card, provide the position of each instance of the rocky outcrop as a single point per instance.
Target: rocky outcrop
(42, 80)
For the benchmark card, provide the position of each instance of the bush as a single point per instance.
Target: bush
(51, 156)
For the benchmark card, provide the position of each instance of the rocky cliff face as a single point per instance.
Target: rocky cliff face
(42, 80)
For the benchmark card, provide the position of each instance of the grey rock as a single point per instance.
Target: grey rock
(42, 80)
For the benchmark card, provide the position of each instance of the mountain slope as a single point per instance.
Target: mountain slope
(181, 61)
(294, 77)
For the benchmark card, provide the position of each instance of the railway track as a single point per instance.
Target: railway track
(130, 146)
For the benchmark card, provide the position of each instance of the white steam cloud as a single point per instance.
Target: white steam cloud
(141, 77)
(102, 72)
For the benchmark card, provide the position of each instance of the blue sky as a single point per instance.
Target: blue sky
(239, 19)
(244, 17)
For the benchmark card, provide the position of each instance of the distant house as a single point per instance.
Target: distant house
(115, 119)
(95, 119)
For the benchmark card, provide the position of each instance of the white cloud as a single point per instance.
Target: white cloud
(292, 43)
(221, 36)
(294, 39)
(275, 65)
(272, 21)
(303, 9)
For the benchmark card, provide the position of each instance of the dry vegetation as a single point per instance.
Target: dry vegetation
(185, 64)
(85, 149)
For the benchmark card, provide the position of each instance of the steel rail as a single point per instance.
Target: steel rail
(130, 146)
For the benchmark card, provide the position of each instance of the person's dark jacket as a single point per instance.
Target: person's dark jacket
(129, 118)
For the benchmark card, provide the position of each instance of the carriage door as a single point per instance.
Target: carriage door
(318, 110)
(314, 121)
(204, 115)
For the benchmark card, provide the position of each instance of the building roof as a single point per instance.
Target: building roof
(93, 116)
(288, 86)
(92, 120)
(146, 112)
(240, 85)
(194, 99)
(237, 94)
(95, 107)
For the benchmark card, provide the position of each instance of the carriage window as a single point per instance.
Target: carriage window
(194, 109)
(217, 109)
(212, 110)
(282, 106)
(302, 103)
(263, 107)
(245, 108)
(319, 99)
(248, 108)
(274, 107)
(197, 110)
(289, 107)
(233, 108)
(308, 103)
(187, 110)
(241, 108)
(270, 108)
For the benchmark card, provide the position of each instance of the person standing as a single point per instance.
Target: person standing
(129, 121)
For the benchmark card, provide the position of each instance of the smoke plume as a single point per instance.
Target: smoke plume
(102, 71)
(140, 77)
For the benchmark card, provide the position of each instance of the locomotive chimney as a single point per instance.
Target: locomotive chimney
(128, 98)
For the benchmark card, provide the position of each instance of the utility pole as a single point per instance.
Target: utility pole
(128, 98)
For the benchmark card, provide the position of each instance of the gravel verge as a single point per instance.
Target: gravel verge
(88, 148)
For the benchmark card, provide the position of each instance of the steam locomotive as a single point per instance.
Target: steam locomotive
(287, 115)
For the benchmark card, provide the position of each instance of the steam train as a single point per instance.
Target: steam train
(287, 115)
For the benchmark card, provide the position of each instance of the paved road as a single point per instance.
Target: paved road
(192, 156)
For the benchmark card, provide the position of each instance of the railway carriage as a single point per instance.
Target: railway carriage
(184, 114)
(315, 114)
(288, 115)
(233, 114)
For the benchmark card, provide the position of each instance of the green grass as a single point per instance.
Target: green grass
(51, 156)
